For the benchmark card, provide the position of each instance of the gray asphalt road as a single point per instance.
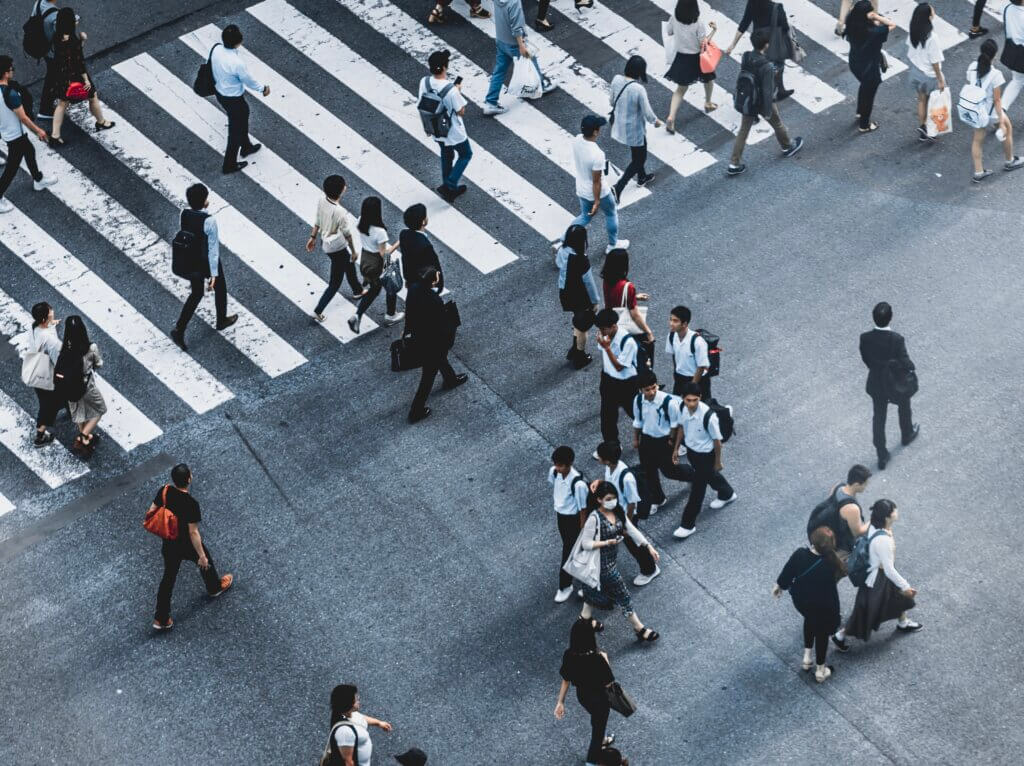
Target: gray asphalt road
(419, 562)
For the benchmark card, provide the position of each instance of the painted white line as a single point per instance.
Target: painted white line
(626, 40)
(254, 247)
(53, 464)
(522, 118)
(111, 220)
(6, 506)
(107, 310)
(589, 89)
(377, 170)
(900, 12)
(507, 187)
(124, 423)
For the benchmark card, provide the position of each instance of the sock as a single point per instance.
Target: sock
(903, 621)
(841, 634)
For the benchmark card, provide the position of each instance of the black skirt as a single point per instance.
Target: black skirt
(685, 70)
(880, 603)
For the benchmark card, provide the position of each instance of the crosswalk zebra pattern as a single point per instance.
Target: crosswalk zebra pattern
(155, 109)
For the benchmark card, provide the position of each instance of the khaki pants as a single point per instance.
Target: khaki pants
(741, 138)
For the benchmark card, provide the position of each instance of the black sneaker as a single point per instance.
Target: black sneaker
(922, 134)
(840, 644)
(226, 322)
(416, 417)
(179, 339)
(735, 170)
(644, 180)
(616, 193)
(975, 33)
(445, 193)
(235, 168)
(457, 381)
(782, 95)
(795, 145)
(42, 439)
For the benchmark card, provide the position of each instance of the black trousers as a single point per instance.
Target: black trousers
(595, 703)
(220, 299)
(542, 9)
(568, 530)
(866, 100)
(681, 380)
(50, 93)
(656, 459)
(880, 405)
(17, 150)
(643, 556)
(615, 394)
(49, 405)
(979, 7)
(238, 128)
(432, 365)
(342, 267)
(638, 156)
(174, 553)
(370, 295)
(704, 473)
(817, 639)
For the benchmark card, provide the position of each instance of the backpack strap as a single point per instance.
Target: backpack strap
(6, 91)
(707, 419)
(638, 406)
(622, 343)
(663, 409)
(333, 743)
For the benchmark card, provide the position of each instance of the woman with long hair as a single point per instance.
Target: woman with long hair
(350, 736)
(87, 410)
(810, 576)
(760, 14)
(619, 292)
(688, 35)
(69, 67)
(588, 669)
(577, 291)
(43, 338)
(867, 31)
(605, 528)
(376, 254)
(925, 55)
(991, 80)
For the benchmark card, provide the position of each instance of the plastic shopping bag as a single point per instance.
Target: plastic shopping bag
(940, 113)
(667, 43)
(525, 82)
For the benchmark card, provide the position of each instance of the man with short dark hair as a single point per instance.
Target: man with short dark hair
(593, 189)
(417, 249)
(188, 546)
(879, 347)
(618, 374)
(13, 122)
(203, 226)
(570, 493)
(230, 78)
(331, 225)
(427, 319)
(656, 416)
(457, 140)
(689, 353)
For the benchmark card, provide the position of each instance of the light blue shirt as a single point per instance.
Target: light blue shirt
(568, 502)
(212, 243)
(629, 494)
(624, 348)
(694, 435)
(650, 418)
(230, 75)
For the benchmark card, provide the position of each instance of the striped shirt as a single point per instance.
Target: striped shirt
(632, 111)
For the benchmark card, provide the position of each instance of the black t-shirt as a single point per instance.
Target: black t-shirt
(587, 672)
(182, 505)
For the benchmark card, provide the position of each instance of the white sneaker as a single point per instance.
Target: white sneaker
(5, 206)
(620, 244)
(490, 110)
(822, 674)
(1000, 134)
(43, 183)
(808, 660)
(393, 318)
(563, 595)
(547, 86)
(682, 533)
(716, 503)
(642, 579)
(556, 246)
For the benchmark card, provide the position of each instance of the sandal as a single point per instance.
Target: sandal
(709, 107)
(543, 25)
(479, 13)
(55, 142)
(596, 624)
(580, 4)
(646, 634)
(670, 126)
(437, 15)
(105, 125)
(869, 129)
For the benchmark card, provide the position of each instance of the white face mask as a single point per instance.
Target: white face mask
(609, 504)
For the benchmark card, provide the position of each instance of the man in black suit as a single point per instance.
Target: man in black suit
(877, 348)
(417, 250)
(433, 333)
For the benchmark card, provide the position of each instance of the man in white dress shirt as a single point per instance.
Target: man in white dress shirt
(656, 415)
(618, 374)
(231, 78)
(569, 492)
(689, 352)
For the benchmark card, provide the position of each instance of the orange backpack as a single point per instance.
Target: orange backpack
(161, 521)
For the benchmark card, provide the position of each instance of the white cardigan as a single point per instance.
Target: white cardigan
(591, 536)
(882, 554)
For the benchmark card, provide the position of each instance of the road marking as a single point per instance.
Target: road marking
(6, 506)
(53, 464)
(107, 310)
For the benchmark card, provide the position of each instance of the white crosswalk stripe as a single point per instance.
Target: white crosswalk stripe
(53, 464)
(525, 121)
(123, 422)
(6, 506)
(107, 310)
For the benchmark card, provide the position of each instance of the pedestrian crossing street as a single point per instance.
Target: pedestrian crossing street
(156, 110)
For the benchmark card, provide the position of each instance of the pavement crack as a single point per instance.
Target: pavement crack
(261, 464)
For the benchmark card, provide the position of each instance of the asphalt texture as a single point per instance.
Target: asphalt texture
(419, 562)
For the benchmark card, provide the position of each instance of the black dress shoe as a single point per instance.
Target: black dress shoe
(459, 190)
(581, 360)
(179, 339)
(783, 95)
(417, 416)
(238, 166)
(883, 461)
(913, 434)
(255, 148)
(455, 382)
(445, 193)
(226, 322)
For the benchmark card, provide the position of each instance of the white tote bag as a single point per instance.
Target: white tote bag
(940, 113)
(37, 369)
(525, 82)
(667, 42)
(585, 565)
(625, 320)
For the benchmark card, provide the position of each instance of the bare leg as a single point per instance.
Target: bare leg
(677, 99)
(922, 108)
(97, 110)
(1008, 141)
(581, 339)
(58, 118)
(979, 137)
(708, 89)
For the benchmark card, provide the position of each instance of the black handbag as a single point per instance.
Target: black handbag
(900, 382)
(451, 311)
(619, 699)
(405, 354)
(204, 85)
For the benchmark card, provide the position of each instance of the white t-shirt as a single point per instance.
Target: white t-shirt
(374, 239)
(994, 79)
(588, 158)
(453, 102)
(343, 737)
(928, 54)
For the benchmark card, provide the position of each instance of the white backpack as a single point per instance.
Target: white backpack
(973, 106)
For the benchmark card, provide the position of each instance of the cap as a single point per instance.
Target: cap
(412, 757)
(438, 60)
(590, 123)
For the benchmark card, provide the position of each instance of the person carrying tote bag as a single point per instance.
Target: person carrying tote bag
(585, 565)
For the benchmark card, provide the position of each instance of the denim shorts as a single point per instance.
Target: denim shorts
(921, 82)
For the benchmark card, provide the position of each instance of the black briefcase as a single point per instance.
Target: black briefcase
(404, 354)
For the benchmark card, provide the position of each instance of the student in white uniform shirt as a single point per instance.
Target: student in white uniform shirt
(350, 736)
(618, 373)
(624, 480)
(656, 416)
(231, 78)
(689, 353)
(457, 140)
(570, 492)
(700, 431)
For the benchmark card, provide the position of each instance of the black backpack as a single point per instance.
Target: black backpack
(726, 424)
(825, 514)
(189, 258)
(714, 352)
(436, 119)
(747, 98)
(859, 563)
(68, 378)
(644, 359)
(27, 102)
(34, 41)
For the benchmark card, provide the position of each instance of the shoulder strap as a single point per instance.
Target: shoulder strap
(444, 91)
(49, 11)
(820, 559)
(622, 343)
(638, 405)
(876, 534)
(707, 419)
(334, 729)
(693, 342)
(210, 57)
(663, 409)
(622, 480)
(625, 294)
(623, 90)
(163, 500)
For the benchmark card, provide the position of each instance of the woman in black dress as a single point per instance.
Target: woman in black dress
(69, 67)
(810, 576)
(587, 668)
(867, 31)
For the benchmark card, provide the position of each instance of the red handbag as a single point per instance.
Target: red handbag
(710, 55)
(76, 92)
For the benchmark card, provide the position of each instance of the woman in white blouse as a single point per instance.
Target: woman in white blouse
(688, 34)
(886, 594)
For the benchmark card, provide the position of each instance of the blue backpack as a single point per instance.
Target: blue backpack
(859, 563)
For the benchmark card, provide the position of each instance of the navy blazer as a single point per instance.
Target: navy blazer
(877, 347)
(417, 252)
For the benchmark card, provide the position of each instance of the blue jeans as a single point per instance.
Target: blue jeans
(611, 215)
(450, 175)
(506, 53)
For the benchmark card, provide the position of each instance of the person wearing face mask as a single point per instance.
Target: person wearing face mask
(604, 529)
(623, 479)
